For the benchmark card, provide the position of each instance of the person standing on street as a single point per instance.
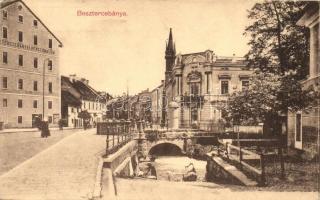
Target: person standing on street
(45, 132)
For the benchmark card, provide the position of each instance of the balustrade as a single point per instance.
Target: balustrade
(118, 133)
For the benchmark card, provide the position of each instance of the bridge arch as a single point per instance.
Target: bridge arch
(165, 148)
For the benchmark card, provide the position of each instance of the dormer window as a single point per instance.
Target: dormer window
(5, 14)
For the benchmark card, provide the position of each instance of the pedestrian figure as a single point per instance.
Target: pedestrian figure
(45, 132)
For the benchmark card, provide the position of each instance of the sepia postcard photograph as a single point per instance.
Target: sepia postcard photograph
(159, 100)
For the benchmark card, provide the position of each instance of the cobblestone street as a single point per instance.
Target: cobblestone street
(17, 147)
(65, 170)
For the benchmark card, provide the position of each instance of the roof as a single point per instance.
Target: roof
(310, 12)
(220, 60)
(69, 95)
(79, 89)
(87, 92)
(158, 87)
(5, 3)
(69, 99)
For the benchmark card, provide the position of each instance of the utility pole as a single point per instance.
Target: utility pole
(43, 85)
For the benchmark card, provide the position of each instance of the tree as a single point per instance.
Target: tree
(276, 43)
(84, 114)
(279, 53)
(268, 96)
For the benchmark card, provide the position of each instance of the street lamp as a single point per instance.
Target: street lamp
(43, 83)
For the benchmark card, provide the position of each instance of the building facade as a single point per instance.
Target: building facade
(70, 104)
(303, 127)
(79, 96)
(197, 85)
(156, 104)
(29, 68)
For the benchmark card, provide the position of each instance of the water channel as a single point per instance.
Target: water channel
(172, 168)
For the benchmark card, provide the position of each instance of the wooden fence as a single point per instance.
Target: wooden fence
(240, 155)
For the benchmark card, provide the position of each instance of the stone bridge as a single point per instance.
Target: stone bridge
(167, 143)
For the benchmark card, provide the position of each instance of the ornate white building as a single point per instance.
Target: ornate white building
(197, 84)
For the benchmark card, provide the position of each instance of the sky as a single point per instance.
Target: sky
(115, 53)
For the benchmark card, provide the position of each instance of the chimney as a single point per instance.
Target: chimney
(85, 81)
(72, 77)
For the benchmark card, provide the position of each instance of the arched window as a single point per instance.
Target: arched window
(194, 80)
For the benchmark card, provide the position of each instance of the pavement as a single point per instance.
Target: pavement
(66, 170)
(16, 130)
(17, 147)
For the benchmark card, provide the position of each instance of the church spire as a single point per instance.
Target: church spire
(170, 46)
(170, 56)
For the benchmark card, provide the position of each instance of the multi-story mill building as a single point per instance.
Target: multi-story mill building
(198, 84)
(29, 67)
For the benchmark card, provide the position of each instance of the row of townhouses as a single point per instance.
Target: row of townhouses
(31, 87)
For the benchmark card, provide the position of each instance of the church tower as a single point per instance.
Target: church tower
(170, 56)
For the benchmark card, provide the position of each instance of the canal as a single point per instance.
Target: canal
(172, 168)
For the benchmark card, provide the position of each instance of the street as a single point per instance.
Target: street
(65, 170)
(18, 147)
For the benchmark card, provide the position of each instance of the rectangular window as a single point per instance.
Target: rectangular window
(50, 43)
(50, 87)
(298, 127)
(20, 36)
(224, 87)
(20, 84)
(20, 60)
(35, 40)
(5, 103)
(4, 14)
(194, 88)
(19, 119)
(35, 62)
(19, 103)
(49, 104)
(35, 23)
(35, 85)
(50, 65)
(5, 82)
(245, 85)
(35, 104)
(4, 33)
(20, 18)
(49, 119)
(5, 57)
